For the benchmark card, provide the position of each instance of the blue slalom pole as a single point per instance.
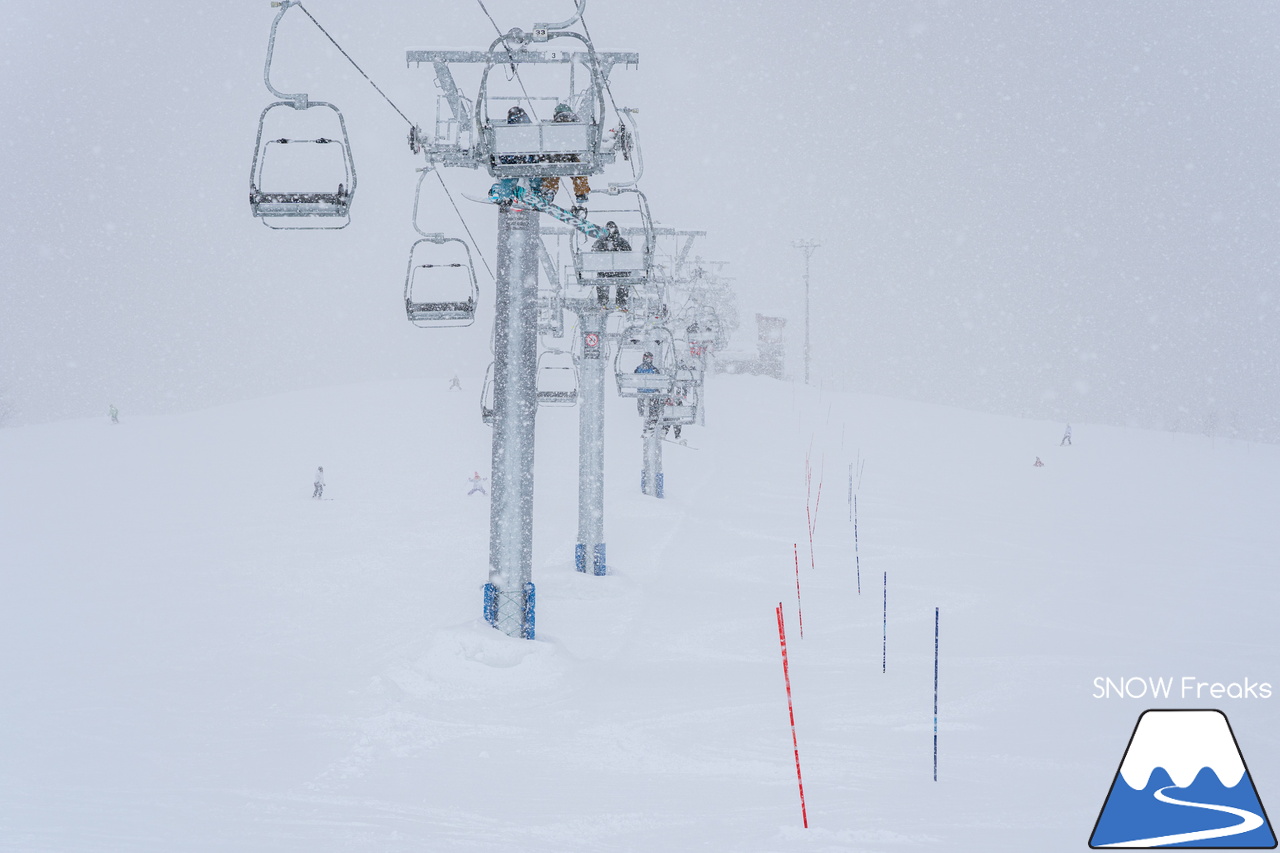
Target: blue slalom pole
(935, 694)
(857, 561)
(884, 642)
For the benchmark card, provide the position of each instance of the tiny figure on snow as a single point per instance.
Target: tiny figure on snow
(1066, 437)
(1039, 464)
(612, 241)
(318, 492)
(454, 384)
(114, 413)
(475, 480)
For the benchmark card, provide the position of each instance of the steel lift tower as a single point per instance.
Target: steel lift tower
(519, 155)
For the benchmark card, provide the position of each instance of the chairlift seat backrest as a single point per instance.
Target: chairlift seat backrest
(628, 262)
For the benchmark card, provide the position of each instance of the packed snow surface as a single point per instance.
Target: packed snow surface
(197, 656)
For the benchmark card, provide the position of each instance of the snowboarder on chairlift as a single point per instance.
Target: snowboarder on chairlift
(475, 480)
(550, 185)
(318, 492)
(612, 241)
(505, 188)
(1066, 437)
(648, 404)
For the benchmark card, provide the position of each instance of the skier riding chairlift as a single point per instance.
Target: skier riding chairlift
(581, 187)
(612, 241)
(648, 404)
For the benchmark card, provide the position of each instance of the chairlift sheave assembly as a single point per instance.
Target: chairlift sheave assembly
(296, 194)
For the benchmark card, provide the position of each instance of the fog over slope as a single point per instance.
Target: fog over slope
(1064, 210)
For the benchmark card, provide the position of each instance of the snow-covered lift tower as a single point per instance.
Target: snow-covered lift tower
(634, 271)
(519, 155)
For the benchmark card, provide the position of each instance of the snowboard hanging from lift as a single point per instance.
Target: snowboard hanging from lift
(501, 195)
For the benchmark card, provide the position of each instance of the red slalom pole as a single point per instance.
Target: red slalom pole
(786, 674)
(799, 609)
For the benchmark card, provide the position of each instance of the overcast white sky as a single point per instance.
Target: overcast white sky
(1058, 209)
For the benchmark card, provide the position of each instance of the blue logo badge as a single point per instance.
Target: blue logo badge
(1183, 783)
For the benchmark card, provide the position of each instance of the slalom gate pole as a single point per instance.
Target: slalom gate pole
(857, 561)
(786, 675)
(935, 694)
(884, 641)
(799, 608)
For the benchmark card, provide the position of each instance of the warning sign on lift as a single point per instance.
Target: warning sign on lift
(591, 345)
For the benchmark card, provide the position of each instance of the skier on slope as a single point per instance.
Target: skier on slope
(475, 480)
(114, 413)
(318, 491)
(1066, 437)
(454, 384)
(612, 241)
(1038, 463)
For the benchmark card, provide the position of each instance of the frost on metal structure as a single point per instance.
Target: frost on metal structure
(521, 151)
(590, 290)
(291, 197)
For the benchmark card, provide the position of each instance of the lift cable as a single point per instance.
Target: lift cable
(465, 227)
(461, 218)
(609, 89)
(353, 64)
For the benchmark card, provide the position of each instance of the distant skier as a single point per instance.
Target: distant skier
(114, 413)
(319, 484)
(1066, 437)
(612, 241)
(1039, 464)
(475, 480)
(454, 384)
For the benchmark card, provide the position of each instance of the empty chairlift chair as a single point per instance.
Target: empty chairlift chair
(557, 379)
(303, 176)
(437, 292)
(487, 396)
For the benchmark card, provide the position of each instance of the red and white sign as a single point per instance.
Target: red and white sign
(591, 339)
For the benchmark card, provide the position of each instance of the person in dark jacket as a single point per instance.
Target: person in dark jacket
(612, 241)
(581, 187)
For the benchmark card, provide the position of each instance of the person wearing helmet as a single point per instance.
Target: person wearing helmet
(612, 241)
(647, 404)
(563, 113)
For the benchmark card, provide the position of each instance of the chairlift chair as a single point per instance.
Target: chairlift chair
(430, 299)
(542, 147)
(327, 200)
(630, 354)
(632, 269)
(487, 397)
(272, 204)
(557, 379)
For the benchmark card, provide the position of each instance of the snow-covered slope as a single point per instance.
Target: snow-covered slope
(197, 656)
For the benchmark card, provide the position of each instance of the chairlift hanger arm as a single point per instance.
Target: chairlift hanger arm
(299, 101)
(564, 25)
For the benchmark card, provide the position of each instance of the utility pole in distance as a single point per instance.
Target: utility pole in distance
(806, 246)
